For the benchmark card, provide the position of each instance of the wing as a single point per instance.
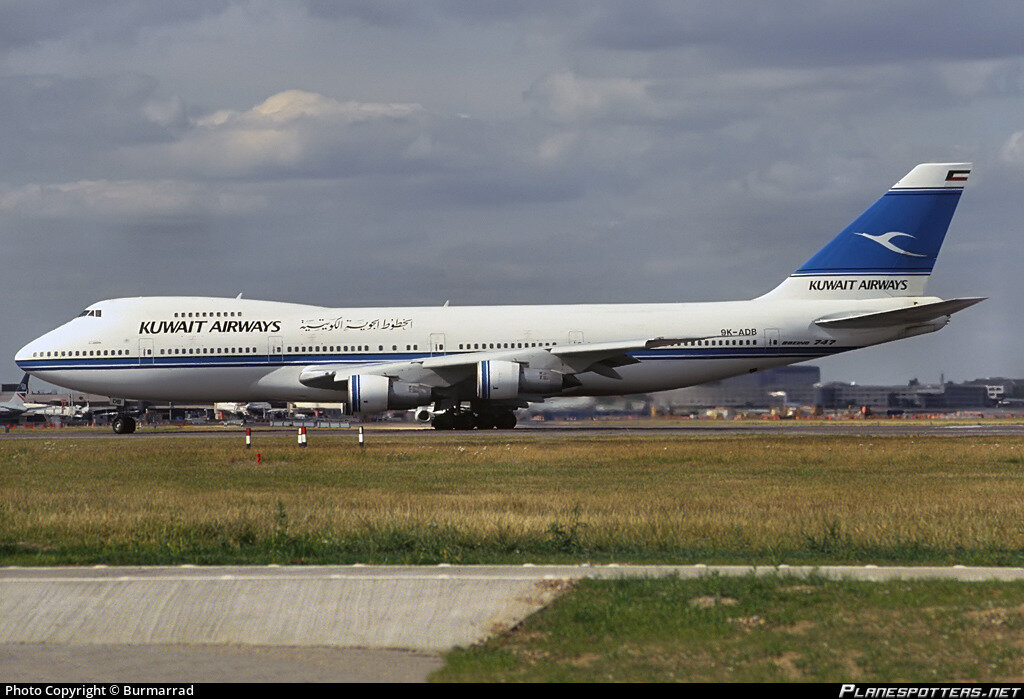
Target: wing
(450, 369)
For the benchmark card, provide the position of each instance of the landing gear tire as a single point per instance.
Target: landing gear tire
(123, 424)
(505, 421)
(466, 420)
(443, 421)
(484, 421)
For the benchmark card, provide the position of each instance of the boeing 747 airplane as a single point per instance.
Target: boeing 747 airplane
(473, 366)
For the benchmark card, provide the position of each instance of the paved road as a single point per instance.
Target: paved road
(316, 623)
(251, 624)
(49, 662)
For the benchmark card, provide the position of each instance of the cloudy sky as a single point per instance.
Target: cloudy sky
(487, 151)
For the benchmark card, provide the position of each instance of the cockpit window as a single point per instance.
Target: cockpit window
(95, 313)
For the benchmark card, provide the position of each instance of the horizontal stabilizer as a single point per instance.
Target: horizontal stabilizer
(901, 316)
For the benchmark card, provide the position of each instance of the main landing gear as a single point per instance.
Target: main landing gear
(123, 424)
(468, 420)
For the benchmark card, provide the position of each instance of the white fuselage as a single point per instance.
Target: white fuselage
(217, 349)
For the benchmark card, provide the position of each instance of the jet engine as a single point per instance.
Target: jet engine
(500, 380)
(374, 394)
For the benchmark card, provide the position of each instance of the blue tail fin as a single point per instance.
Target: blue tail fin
(891, 248)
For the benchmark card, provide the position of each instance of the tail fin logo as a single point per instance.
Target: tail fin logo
(885, 240)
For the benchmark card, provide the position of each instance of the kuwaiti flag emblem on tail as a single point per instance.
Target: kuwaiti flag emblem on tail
(885, 240)
(957, 175)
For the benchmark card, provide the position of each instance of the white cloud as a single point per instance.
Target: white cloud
(1013, 149)
(291, 105)
(294, 133)
(565, 97)
(166, 112)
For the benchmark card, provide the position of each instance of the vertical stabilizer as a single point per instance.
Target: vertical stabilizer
(891, 248)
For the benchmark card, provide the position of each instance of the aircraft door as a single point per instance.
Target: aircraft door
(275, 349)
(575, 337)
(145, 352)
(771, 337)
(437, 344)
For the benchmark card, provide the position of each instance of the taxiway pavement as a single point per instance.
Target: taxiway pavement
(857, 428)
(309, 623)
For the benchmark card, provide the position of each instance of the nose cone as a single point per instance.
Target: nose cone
(24, 355)
(27, 358)
(32, 357)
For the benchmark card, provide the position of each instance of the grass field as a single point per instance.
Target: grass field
(760, 630)
(469, 498)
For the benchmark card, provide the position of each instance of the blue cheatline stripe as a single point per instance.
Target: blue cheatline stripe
(671, 353)
(207, 361)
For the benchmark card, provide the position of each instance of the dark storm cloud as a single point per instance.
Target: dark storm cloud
(400, 13)
(387, 14)
(501, 11)
(811, 32)
(27, 22)
(57, 126)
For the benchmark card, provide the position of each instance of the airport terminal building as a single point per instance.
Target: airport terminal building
(800, 385)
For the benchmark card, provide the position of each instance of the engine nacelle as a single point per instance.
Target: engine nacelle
(497, 379)
(374, 394)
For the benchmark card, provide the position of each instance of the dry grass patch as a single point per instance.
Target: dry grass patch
(776, 498)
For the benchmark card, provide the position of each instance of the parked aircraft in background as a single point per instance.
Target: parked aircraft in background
(475, 365)
(244, 410)
(16, 406)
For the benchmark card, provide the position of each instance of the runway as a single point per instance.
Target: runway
(861, 428)
(290, 623)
